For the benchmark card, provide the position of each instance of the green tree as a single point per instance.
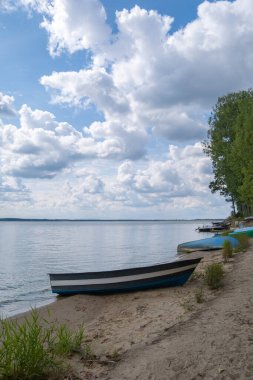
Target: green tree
(230, 146)
(242, 153)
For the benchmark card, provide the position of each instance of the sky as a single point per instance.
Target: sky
(104, 105)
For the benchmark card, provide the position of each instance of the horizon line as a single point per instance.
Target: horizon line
(100, 220)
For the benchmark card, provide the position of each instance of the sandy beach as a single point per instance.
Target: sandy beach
(166, 333)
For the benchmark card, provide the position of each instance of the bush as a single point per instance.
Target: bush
(213, 275)
(243, 242)
(227, 252)
(29, 351)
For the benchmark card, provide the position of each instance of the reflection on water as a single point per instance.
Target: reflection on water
(31, 250)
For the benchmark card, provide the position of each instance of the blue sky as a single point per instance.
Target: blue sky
(104, 104)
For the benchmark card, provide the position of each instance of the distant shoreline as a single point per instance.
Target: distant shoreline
(102, 220)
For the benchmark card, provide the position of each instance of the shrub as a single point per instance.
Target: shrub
(227, 252)
(213, 275)
(29, 351)
(243, 242)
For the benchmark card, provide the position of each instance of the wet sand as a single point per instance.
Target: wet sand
(165, 333)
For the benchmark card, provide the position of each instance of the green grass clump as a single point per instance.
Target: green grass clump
(213, 275)
(33, 350)
(66, 341)
(227, 252)
(243, 242)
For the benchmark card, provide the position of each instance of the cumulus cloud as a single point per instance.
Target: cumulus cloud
(151, 88)
(88, 86)
(6, 105)
(183, 174)
(12, 190)
(179, 182)
(157, 80)
(42, 147)
(75, 25)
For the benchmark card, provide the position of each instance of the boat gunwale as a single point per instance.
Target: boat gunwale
(129, 271)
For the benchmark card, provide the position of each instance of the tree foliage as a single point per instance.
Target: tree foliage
(230, 147)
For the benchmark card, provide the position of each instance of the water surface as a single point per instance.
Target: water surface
(31, 250)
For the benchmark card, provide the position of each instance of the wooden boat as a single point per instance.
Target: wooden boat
(208, 244)
(124, 280)
(245, 230)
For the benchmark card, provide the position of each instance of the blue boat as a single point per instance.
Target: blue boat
(245, 230)
(208, 244)
(124, 280)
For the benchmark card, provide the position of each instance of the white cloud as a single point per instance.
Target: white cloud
(42, 147)
(160, 81)
(12, 190)
(186, 173)
(93, 85)
(13, 5)
(75, 25)
(6, 105)
(153, 88)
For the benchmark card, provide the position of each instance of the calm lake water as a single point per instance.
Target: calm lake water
(31, 250)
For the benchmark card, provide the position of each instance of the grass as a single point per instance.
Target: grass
(227, 252)
(243, 242)
(35, 348)
(214, 274)
(66, 341)
(115, 355)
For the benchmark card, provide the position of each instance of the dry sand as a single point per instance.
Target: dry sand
(165, 333)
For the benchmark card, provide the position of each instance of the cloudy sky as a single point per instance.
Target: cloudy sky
(104, 104)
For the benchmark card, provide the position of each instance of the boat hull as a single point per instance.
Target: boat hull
(212, 228)
(208, 244)
(125, 280)
(246, 231)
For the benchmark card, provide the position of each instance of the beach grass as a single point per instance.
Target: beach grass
(227, 251)
(244, 242)
(35, 349)
(214, 274)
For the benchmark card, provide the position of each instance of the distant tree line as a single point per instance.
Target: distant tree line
(229, 144)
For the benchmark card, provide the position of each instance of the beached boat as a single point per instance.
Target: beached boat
(245, 230)
(124, 280)
(208, 244)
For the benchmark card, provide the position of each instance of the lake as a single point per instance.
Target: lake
(30, 250)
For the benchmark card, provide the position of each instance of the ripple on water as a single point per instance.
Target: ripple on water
(29, 251)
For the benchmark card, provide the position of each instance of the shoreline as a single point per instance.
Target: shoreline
(58, 298)
(125, 327)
